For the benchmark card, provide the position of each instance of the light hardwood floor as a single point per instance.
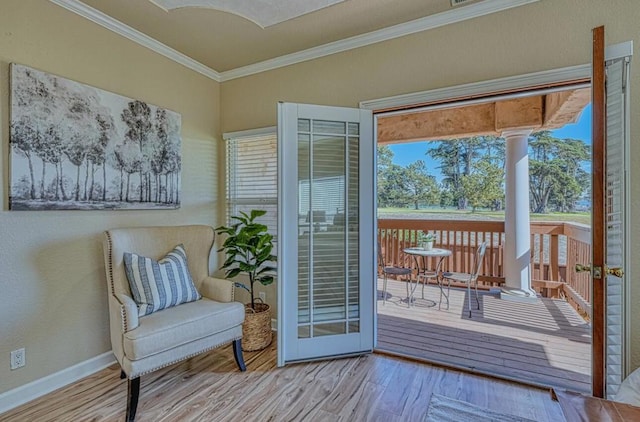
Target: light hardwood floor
(210, 388)
(545, 343)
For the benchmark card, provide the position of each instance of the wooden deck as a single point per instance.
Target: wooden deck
(545, 343)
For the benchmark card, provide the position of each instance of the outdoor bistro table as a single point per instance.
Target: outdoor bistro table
(421, 254)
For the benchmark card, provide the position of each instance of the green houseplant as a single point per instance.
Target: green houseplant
(248, 250)
(426, 240)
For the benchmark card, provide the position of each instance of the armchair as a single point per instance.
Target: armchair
(143, 344)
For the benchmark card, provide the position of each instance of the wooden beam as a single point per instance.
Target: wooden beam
(449, 123)
(535, 113)
(564, 107)
(519, 113)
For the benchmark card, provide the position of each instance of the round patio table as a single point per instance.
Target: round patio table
(420, 256)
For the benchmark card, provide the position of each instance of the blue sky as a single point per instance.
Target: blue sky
(404, 154)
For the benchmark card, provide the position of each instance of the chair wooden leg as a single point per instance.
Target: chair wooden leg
(237, 353)
(133, 392)
(122, 375)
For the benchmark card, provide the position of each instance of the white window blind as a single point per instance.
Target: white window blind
(252, 177)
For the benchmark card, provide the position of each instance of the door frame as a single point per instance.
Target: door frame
(515, 86)
(598, 217)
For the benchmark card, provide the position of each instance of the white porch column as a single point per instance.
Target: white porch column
(517, 249)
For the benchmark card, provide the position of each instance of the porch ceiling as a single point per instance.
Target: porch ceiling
(541, 112)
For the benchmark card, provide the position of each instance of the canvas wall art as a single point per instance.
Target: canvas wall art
(74, 146)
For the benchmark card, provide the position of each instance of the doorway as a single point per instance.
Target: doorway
(533, 341)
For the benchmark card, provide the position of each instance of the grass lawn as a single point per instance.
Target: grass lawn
(446, 214)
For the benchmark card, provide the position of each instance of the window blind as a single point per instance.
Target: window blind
(252, 178)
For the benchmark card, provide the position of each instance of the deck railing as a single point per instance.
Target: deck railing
(555, 249)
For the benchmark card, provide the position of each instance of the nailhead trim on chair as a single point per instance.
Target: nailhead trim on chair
(123, 313)
(132, 376)
(110, 250)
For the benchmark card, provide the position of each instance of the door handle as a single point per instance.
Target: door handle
(615, 271)
(597, 271)
(583, 268)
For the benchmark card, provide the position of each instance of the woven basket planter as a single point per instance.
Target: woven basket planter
(256, 329)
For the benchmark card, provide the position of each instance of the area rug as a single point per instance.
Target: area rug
(444, 409)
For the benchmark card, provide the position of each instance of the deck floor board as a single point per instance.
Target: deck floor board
(545, 343)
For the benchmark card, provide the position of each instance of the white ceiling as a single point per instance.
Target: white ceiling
(263, 13)
(224, 45)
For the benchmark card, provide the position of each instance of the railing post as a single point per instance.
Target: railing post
(554, 269)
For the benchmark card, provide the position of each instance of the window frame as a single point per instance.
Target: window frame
(232, 202)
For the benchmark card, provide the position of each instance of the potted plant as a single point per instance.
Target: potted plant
(248, 249)
(426, 240)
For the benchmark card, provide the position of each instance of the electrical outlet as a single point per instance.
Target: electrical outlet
(18, 359)
(263, 296)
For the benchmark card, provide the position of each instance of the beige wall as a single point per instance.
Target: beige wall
(545, 35)
(52, 284)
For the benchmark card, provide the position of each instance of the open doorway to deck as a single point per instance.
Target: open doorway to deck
(453, 189)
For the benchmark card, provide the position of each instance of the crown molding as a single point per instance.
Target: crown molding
(460, 14)
(134, 35)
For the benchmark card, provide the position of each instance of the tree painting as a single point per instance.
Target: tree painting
(78, 147)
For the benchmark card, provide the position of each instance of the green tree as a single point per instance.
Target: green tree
(385, 161)
(446, 198)
(419, 185)
(556, 176)
(450, 155)
(400, 186)
(484, 186)
(459, 158)
(393, 193)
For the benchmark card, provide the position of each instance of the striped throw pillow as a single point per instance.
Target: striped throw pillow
(157, 285)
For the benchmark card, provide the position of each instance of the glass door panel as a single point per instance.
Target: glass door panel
(327, 187)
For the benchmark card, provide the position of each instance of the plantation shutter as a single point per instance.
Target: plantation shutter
(252, 177)
(615, 211)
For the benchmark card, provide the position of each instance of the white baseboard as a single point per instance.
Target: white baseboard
(38, 388)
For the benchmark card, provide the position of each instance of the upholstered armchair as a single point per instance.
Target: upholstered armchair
(145, 343)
